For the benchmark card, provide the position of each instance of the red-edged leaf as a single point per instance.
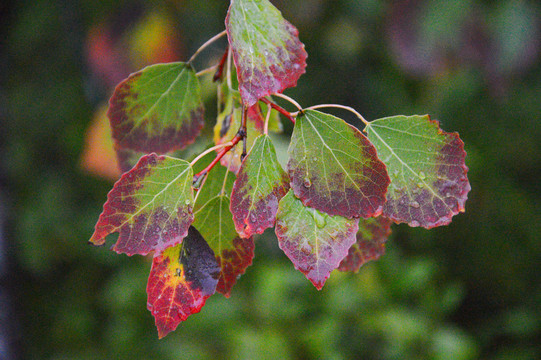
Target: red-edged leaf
(427, 166)
(370, 245)
(181, 280)
(314, 241)
(260, 185)
(334, 168)
(157, 109)
(150, 206)
(233, 253)
(268, 54)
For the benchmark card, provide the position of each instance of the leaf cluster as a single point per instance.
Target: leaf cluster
(332, 206)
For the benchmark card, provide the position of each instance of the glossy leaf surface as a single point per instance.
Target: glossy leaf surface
(260, 185)
(150, 206)
(233, 253)
(157, 109)
(314, 241)
(268, 54)
(180, 281)
(370, 244)
(334, 168)
(427, 169)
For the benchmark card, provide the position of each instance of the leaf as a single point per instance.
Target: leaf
(370, 244)
(228, 124)
(157, 109)
(150, 206)
(260, 185)
(180, 281)
(127, 158)
(267, 52)
(428, 173)
(218, 179)
(314, 241)
(334, 168)
(233, 253)
(99, 156)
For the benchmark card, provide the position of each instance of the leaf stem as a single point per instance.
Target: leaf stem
(209, 150)
(206, 71)
(240, 135)
(278, 108)
(285, 97)
(267, 119)
(209, 41)
(340, 107)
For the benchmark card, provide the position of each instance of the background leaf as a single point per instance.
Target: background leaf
(314, 241)
(180, 281)
(233, 253)
(157, 109)
(428, 173)
(260, 185)
(268, 54)
(150, 206)
(334, 168)
(370, 244)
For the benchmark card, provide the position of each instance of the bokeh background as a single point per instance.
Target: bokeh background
(470, 290)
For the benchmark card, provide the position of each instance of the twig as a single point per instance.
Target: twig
(209, 41)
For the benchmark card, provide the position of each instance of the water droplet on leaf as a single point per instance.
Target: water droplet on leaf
(306, 182)
(187, 202)
(319, 219)
(422, 175)
(415, 204)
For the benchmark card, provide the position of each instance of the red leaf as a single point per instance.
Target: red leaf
(268, 54)
(260, 185)
(370, 245)
(181, 280)
(150, 206)
(314, 241)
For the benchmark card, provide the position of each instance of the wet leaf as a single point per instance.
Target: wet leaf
(268, 54)
(233, 253)
(370, 244)
(157, 109)
(314, 241)
(334, 168)
(260, 185)
(427, 169)
(150, 207)
(180, 281)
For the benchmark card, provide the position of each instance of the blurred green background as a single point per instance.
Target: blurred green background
(470, 290)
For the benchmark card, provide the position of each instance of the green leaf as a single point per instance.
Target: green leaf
(233, 253)
(427, 168)
(150, 206)
(334, 168)
(180, 281)
(268, 54)
(218, 180)
(260, 185)
(314, 241)
(370, 244)
(157, 109)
